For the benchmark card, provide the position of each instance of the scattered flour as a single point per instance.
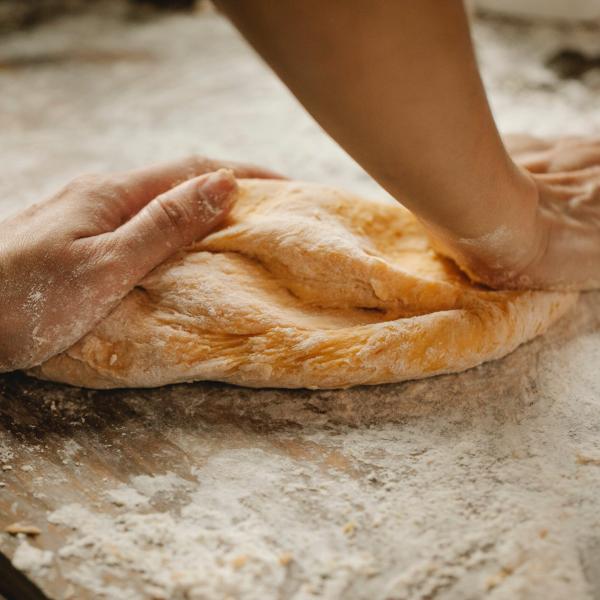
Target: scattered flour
(6, 454)
(149, 485)
(30, 559)
(69, 451)
(482, 485)
(127, 497)
(220, 543)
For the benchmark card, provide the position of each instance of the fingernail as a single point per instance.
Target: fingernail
(217, 191)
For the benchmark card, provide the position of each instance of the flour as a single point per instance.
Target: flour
(500, 238)
(69, 451)
(6, 454)
(127, 497)
(149, 485)
(489, 247)
(30, 559)
(480, 485)
(219, 544)
(228, 536)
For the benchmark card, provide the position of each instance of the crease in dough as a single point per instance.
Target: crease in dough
(304, 286)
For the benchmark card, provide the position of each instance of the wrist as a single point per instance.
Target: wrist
(508, 237)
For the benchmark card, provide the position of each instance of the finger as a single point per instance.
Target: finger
(520, 143)
(143, 185)
(173, 220)
(574, 140)
(534, 162)
(529, 152)
(575, 159)
(111, 200)
(577, 178)
(244, 170)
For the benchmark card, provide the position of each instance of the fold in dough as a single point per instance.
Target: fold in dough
(304, 286)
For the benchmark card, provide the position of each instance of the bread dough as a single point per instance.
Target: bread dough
(305, 286)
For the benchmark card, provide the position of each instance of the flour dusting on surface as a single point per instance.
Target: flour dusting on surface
(30, 559)
(471, 486)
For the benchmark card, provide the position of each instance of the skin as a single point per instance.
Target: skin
(395, 83)
(67, 261)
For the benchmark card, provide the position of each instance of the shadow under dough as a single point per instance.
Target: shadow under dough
(504, 388)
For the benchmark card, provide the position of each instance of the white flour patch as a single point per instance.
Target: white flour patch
(150, 485)
(222, 543)
(6, 454)
(126, 497)
(69, 451)
(30, 559)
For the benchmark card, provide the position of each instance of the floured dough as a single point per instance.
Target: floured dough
(305, 286)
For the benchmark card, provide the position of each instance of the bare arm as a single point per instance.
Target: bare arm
(396, 83)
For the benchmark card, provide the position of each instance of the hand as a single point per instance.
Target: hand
(555, 245)
(557, 155)
(67, 261)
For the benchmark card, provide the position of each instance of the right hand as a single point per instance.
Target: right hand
(566, 172)
(555, 246)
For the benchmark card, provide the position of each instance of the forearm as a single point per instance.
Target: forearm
(397, 85)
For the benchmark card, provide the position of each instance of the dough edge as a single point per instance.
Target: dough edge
(441, 341)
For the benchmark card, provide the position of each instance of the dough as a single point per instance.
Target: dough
(305, 286)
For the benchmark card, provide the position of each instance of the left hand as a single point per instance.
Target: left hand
(67, 261)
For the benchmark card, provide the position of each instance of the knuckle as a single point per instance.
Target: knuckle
(83, 183)
(202, 164)
(113, 187)
(97, 185)
(170, 216)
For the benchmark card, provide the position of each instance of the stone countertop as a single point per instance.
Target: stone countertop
(480, 484)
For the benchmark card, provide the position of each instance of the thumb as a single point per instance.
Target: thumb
(176, 218)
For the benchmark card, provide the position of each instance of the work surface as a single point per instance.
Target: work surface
(482, 484)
